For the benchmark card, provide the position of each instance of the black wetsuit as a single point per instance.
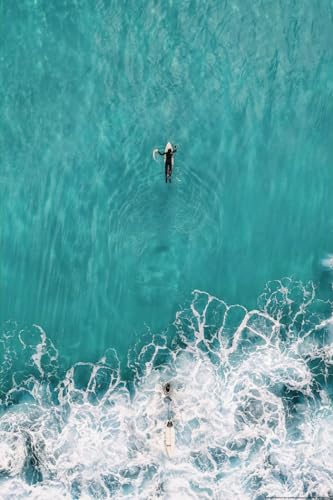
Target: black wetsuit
(168, 163)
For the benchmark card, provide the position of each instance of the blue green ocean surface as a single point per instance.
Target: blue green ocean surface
(113, 282)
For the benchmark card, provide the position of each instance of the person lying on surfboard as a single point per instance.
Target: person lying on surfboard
(168, 161)
(167, 388)
(167, 392)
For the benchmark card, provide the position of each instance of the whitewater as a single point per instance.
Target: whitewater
(252, 408)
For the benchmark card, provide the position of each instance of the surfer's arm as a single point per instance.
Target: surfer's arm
(174, 150)
(162, 154)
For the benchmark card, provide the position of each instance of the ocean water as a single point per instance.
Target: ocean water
(113, 282)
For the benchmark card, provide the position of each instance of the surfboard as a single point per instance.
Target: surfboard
(169, 440)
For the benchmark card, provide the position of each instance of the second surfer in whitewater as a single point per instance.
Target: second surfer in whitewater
(168, 162)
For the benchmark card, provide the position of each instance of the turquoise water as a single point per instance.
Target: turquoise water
(100, 258)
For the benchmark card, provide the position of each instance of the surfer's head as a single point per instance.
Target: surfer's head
(169, 150)
(167, 387)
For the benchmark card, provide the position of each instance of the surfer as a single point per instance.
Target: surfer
(167, 392)
(169, 438)
(167, 388)
(169, 433)
(168, 161)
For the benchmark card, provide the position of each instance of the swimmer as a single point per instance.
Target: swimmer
(167, 388)
(168, 162)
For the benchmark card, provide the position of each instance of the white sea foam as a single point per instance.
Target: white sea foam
(251, 416)
(328, 261)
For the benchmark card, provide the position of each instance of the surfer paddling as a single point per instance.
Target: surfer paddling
(167, 392)
(169, 432)
(168, 161)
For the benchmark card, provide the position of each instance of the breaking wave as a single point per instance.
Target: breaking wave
(252, 407)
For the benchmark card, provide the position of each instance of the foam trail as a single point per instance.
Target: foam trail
(155, 151)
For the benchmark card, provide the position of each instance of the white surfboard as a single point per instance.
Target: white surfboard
(169, 439)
